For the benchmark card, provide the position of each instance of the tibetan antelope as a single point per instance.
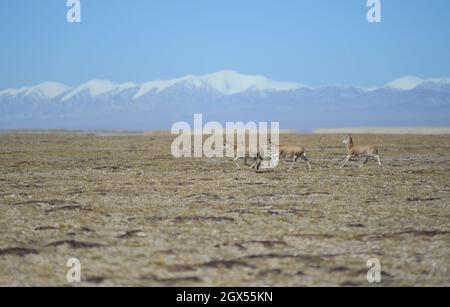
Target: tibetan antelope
(367, 151)
(249, 154)
(290, 152)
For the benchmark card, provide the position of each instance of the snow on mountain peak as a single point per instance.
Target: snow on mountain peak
(412, 82)
(161, 85)
(46, 90)
(13, 92)
(98, 87)
(225, 82)
(230, 82)
(439, 80)
(405, 83)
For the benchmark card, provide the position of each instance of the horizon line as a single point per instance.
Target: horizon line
(396, 83)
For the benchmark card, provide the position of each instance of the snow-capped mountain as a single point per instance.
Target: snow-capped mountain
(96, 88)
(224, 96)
(47, 90)
(223, 82)
(413, 82)
(405, 83)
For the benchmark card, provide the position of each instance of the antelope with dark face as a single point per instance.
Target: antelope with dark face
(254, 155)
(366, 151)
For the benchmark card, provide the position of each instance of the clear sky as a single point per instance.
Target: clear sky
(315, 42)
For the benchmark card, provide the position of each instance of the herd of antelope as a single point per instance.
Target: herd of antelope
(293, 153)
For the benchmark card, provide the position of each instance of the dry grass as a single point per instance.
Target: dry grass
(134, 215)
(376, 130)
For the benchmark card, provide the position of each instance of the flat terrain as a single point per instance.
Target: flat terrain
(133, 215)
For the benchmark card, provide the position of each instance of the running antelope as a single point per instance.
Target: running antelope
(254, 155)
(290, 152)
(367, 151)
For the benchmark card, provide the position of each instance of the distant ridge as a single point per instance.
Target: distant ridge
(224, 96)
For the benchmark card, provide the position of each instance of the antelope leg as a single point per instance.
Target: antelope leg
(305, 158)
(235, 162)
(346, 161)
(365, 162)
(379, 160)
(293, 163)
(258, 165)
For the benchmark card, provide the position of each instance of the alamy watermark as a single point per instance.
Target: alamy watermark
(74, 273)
(374, 273)
(74, 12)
(374, 13)
(236, 140)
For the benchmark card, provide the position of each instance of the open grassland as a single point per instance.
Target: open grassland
(134, 215)
(401, 130)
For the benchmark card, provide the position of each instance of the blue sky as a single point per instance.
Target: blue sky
(315, 42)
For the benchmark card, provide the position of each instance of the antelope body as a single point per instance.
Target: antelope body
(367, 151)
(291, 152)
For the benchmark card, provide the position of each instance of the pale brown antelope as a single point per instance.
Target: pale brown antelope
(290, 152)
(366, 151)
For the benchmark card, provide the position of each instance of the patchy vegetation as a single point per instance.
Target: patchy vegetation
(133, 215)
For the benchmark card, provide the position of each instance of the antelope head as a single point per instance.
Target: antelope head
(347, 140)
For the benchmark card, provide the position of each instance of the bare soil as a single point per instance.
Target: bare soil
(135, 216)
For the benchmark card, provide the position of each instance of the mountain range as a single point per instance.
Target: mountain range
(225, 96)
